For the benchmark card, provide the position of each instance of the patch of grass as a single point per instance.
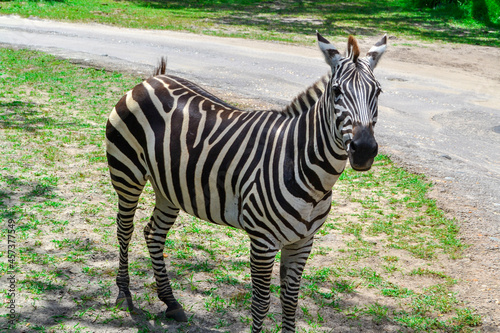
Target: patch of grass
(396, 291)
(428, 272)
(390, 220)
(288, 21)
(378, 312)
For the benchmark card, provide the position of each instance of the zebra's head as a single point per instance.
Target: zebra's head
(353, 96)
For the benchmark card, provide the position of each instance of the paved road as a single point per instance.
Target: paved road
(441, 122)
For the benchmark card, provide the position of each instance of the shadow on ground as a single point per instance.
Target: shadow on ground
(305, 17)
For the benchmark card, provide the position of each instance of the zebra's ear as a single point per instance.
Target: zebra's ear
(332, 55)
(377, 51)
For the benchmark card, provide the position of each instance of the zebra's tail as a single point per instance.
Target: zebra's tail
(161, 68)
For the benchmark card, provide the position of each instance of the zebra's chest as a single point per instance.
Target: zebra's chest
(271, 210)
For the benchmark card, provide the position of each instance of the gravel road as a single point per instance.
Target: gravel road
(439, 115)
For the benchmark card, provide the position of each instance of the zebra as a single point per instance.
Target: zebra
(269, 173)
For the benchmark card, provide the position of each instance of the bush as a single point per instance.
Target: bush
(484, 11)
(433, 3)
(493, 8)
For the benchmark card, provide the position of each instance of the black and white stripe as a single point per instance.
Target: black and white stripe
(269, 173)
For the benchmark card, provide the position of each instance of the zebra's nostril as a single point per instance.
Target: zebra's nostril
(369, 148)
(353, 146)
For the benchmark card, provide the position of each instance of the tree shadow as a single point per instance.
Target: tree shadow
(15, 190)
(29, 117)
(22, 115)
(305, 17)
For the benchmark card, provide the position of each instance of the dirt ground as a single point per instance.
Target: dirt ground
(479, 270)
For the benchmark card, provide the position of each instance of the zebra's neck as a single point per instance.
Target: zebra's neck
(320, 156)
(305, 100)
(332, 115)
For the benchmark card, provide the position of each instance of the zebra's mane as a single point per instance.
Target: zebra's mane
(352, 49)
(305, 100)
(301, 103)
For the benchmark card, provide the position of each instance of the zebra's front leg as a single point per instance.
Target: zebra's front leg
(293, 260)
(261, 268)
(155, 233)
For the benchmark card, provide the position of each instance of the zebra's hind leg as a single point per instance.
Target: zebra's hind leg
(293, 260)
(127, 205)
(155, 233)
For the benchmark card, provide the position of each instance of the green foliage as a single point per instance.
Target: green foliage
(432, 3)
(485, 12)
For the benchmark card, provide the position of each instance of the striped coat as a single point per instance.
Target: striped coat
(269, 173)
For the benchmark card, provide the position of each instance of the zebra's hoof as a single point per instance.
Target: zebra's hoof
(176, 314)
(124, 303)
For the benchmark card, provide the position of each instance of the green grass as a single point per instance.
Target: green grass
(288, 21)
(382, 222)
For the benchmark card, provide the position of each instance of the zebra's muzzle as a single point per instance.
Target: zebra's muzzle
(363, 148)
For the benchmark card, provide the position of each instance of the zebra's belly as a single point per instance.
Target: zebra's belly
(202, 198)
(250, 207)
